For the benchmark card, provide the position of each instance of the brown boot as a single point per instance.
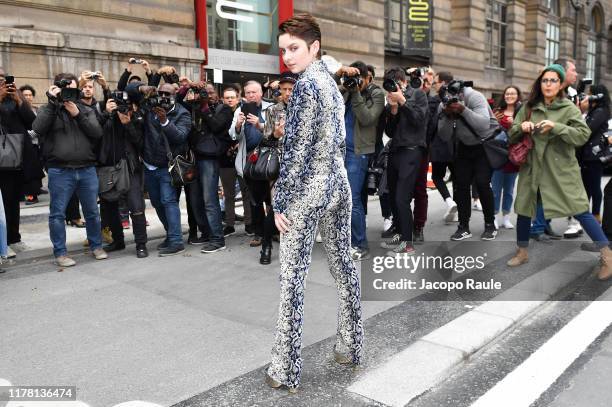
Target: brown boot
(605, 269)
(521, 257)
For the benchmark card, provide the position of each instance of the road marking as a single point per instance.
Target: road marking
(534, 376)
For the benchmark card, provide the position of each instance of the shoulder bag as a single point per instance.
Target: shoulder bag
(495, 149)
(263, 164)
(11, 150)
(113, 180)
(182, 169)
(517, 153)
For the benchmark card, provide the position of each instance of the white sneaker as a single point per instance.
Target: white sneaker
(476, 205)
(64, 261)
(10, 254)
(451, 212)
(318, 238)
(20, 247)
(387, 223)
(507, 224)
(573, 229)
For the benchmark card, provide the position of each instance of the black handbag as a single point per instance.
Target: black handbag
(114, 181)
(495, 150)
(182, 169)
(11, 150)
(263, 164)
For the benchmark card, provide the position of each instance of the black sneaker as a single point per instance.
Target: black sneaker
(389, 233)
(163, 245)
(418, 237)
(171, 251)
(197, 241)
(249, 230)
(462, 233)
(228, 231)
(213, 247)
(489, 233)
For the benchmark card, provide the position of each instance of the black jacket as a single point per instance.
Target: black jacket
(176, 132)
(216, 122)
(408, 128)
(18, 119)
(67, 142)
(125, 77)
(597, 120)
(121, 141)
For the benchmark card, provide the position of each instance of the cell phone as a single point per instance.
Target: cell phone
(9, 80)
(250, 107)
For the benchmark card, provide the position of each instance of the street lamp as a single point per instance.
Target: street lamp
(577, 5)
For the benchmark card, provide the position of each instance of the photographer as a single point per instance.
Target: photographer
(466, 117)
(362, 109)
(248, 130)
(87, 83)
(16, 117)
(228, 174)
(168, 73)
(68, 132)
(406, 125)
(166, 125)
(127, 77)
(597, 105)
(209, 139)
(122, 140)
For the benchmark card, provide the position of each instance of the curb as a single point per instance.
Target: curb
(436, 356)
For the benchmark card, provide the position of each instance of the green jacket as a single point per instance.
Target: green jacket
(551, 165)
(367, 111)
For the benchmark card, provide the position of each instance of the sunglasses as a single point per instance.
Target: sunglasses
(164, 93)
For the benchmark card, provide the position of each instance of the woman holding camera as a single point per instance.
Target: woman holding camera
(597, 105)
(312, 189)
(551, 174)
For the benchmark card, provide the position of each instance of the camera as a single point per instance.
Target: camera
(122, 100)
(373, 179)
(171, 78)
(582, 84)
(390, 85)
(96, 75)
(135, 61)
(276, 93)
(69, 95)
(453, 92)
(351, 82)
(9, 80)
(603, 154)
(416, 77)
(201, 93)
(595, 98)
(154, 100)
(63, 83)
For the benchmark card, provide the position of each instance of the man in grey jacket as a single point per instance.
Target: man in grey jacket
(466, 120)
(363, 106)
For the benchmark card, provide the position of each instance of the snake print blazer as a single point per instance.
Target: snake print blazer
(313, 148)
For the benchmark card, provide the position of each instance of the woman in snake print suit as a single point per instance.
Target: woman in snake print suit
(312, 189)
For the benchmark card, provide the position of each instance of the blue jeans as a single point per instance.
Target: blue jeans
(63, 182)
(357, 170)
(586, 219)
(163, 199)
(3, 241)
(503, 188)
(207, 203)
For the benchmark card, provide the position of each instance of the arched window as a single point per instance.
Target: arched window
(552, 31)
(592, 54)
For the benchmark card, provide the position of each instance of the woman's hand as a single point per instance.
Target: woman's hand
(527, 127)
(584, 105)
(545, 126)
(281, 222)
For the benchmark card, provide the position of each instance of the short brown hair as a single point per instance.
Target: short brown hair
(303, 26)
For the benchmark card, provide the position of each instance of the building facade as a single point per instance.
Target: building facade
(492, 42)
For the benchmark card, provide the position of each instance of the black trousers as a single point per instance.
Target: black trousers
(385, 205)
(471, 166)
(11, 183)
(263, 218)
(195, 218)
(592, 171)
(402, 172)
(606, 220)
(438, 171)
(72, 210)
(109, 212)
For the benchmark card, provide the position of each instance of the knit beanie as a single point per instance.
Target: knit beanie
(556, 68)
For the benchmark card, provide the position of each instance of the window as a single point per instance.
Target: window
(394, 25)
(552, 32)
(496, 34)
(591, 60)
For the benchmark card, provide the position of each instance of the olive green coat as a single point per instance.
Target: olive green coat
(551, 165)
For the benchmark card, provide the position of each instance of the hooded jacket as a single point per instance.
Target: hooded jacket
(176, 132)
(67, 142)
